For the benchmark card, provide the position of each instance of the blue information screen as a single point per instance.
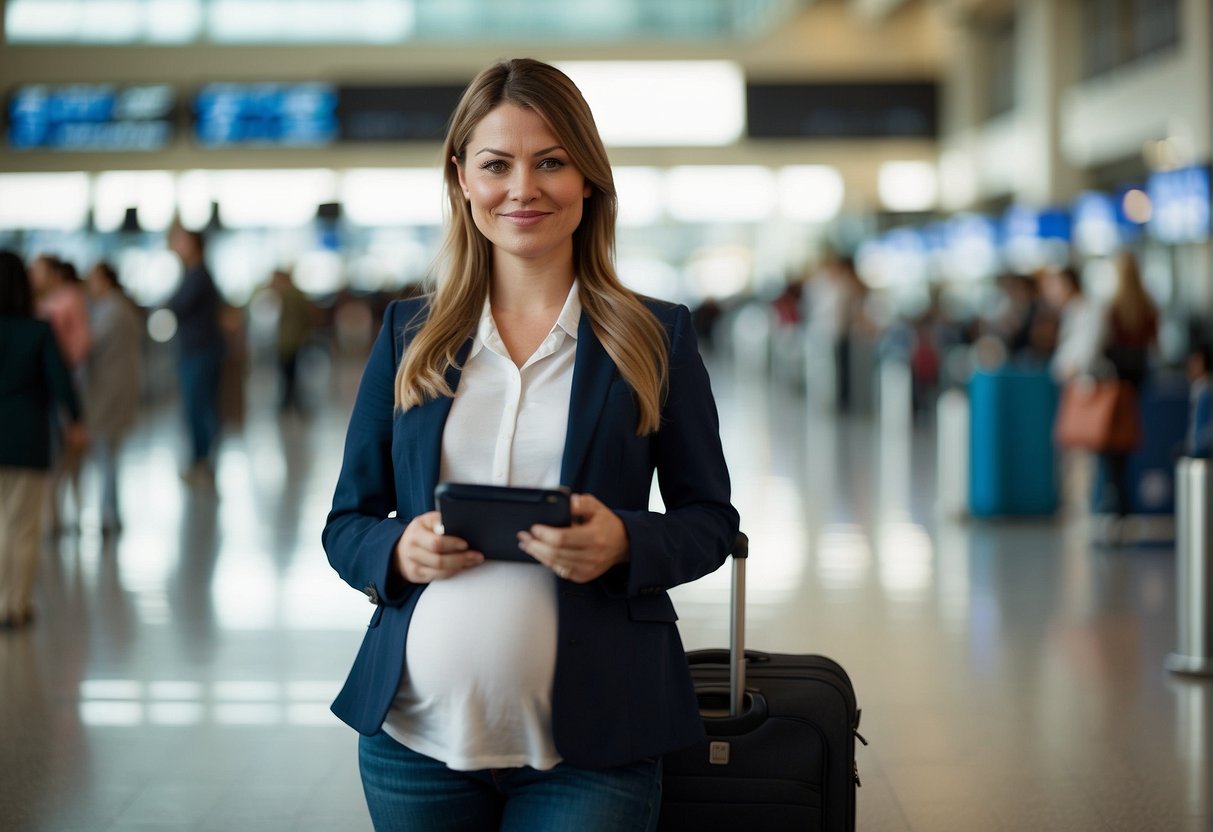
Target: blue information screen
(275, 115)
(91, 117)
(1179, 205)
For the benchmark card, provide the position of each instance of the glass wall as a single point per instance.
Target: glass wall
(1119, 32)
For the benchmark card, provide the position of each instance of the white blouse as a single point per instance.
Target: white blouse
(481, 651)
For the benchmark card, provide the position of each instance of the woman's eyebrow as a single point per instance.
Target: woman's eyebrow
(511, 155)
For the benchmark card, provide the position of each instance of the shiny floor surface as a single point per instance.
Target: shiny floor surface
(1010, 673)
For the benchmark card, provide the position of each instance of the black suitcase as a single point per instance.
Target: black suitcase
(780, 752)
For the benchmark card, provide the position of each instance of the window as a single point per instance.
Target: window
(1155, 25)
(1000, 60)
(1118, 32)
(1101, 40)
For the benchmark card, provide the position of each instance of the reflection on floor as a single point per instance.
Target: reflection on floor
(1010, 674)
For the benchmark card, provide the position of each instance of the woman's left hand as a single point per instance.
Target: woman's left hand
(581, 552)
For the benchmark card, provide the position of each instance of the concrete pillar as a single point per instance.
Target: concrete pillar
(1046, 62)
(1199, 19)
(961, 94)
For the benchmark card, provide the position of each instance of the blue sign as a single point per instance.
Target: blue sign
(275, 115)
(92, 117)
(974, 230)
(974, 241)
(1054, 224)
(1179, 205)
(1020, 221)
(1101, 225)
(1096, 227)
(935, 237)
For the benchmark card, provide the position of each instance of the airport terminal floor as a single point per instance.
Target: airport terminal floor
(1011, 674)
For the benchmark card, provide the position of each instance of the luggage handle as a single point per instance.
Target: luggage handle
(719, 655)
(724, 723)
(737, 654)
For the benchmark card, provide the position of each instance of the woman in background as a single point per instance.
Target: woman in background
(1080, 324)
(59, 299)
(1131, 331)
(111, 400)
(35, 388)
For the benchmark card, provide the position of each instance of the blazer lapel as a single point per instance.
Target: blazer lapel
(432, 419)
(593, 371)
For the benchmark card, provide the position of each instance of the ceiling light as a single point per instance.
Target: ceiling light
(663, 103)
(810, 193)
(908, 186)
(43, 201)
(721, 193)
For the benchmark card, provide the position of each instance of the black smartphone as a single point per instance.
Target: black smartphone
(489, 517)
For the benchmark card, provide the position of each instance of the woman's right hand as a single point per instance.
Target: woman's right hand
(76, 438)
(424, 553)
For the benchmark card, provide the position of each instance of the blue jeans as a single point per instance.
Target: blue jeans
(409, 791)
(200, 372)
(107, 451)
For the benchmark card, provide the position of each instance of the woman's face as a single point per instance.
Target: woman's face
(96, 284)
(525, 194)
(1056, 290)
(42, 275)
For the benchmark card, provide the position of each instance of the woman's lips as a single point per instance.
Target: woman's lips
(523, 219)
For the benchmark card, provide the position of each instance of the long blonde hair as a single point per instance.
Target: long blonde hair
(1131, 304)
(631, 335)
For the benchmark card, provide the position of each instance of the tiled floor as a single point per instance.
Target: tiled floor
(1010, 674)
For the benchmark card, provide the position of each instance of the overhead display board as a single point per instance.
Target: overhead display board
(893, 109)
(91, 117)
(265, 115)
(394, 113)
(1180, 205)
(1101, 225)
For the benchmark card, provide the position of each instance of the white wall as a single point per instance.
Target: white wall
(1111, 116)
(1015, 154)
(1037, 153)
(1063, 126)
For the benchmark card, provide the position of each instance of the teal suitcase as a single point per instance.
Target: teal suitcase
(1012, 459)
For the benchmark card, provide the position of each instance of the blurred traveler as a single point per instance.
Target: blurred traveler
(35, 388)
(836, 296)
(925, 361)
(1130, 328)
(234, 369)
(787, 347)
(1131, 323)
(200, 342)
(41, 275)
(1080, 328)
(1013, 315)
(353, 325)
(1076, 332)
(1044, 332)
(787, 304)
(61, 301)
(296, 318)
(1200, 418)
(530, 365)
(111, 400)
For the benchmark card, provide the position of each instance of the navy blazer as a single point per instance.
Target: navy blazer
(622, 690)
(34, 382)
